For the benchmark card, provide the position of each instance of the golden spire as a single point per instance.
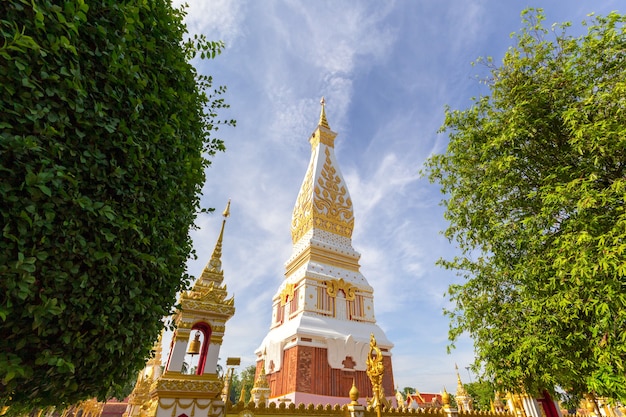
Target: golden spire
(460, 390)
(226, 211)
(261, 380)
(323, 134)
(213, 270)
(242, 395)
(323, 201)
(323, 122)
(218, 247)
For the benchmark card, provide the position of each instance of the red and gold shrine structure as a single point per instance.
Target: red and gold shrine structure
(189, 385)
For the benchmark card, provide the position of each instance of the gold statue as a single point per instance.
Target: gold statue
(375, 371)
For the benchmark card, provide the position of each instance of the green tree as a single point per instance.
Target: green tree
(235, 389)
(245, 379)
(482, 394)
(535, 184)
(104, 138)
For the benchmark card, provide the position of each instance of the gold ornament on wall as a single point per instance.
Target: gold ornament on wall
(336, 285)
(286, 294)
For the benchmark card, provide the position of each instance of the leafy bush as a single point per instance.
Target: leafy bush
(104, 139)
(535, 177)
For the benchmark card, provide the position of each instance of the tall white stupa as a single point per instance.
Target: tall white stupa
(323, 312)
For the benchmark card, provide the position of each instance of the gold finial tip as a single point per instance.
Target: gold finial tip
(323, 122)
(226, 211)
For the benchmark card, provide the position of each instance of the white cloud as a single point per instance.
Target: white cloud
(217, 19)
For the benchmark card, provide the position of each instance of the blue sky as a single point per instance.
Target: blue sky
(386, 69)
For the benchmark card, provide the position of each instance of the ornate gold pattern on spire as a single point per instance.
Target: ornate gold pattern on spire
(328, 207)
(302, 219)
(333, 201)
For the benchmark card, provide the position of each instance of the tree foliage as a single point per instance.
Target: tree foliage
(104, 138)
(535, 183)
(245, 380)
(482, 394)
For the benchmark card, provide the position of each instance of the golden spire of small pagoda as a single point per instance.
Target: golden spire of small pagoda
(242, 395)
(213, 270)
(261, 380)
(460, 389)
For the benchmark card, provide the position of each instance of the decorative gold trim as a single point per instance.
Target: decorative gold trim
(182, 337)
(218, 329)
(286, 293)
(323, 256)
(323, 133)
(179, 376)
(323, 202)
(204, 307)
(176, 387)
(324, 136)
(301, 219)
(334, 286)
(194, 403)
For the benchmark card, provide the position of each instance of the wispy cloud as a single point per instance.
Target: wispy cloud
(217, 19)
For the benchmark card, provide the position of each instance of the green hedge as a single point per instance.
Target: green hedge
(104, 134)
